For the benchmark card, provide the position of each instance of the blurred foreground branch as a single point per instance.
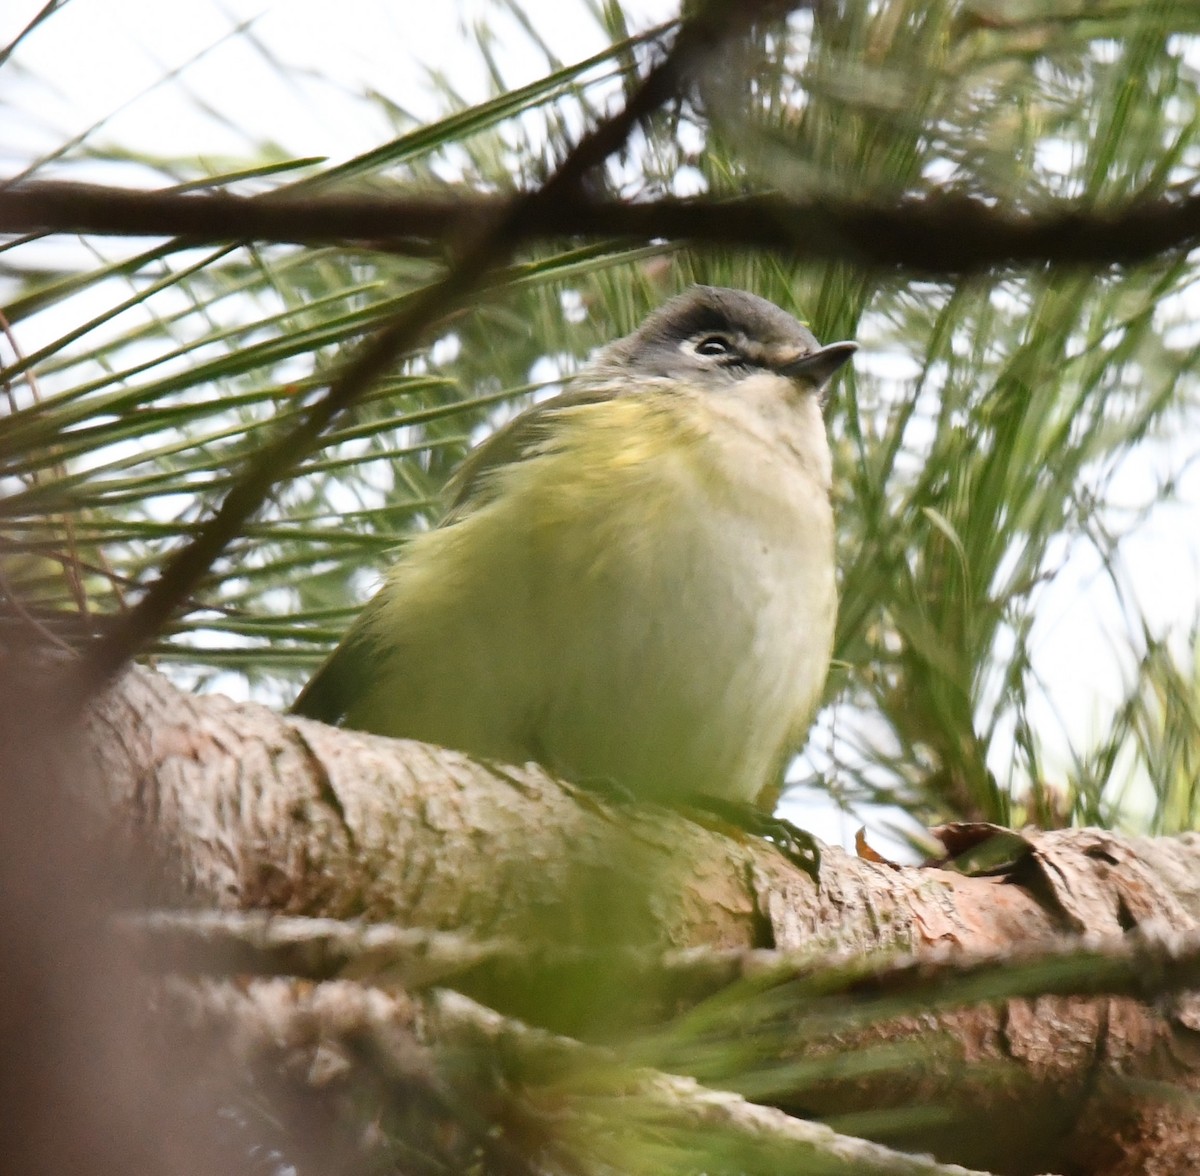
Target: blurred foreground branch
(326, 1032)
(940, 234)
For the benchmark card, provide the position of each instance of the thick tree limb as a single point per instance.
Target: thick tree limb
(320, 1033)
(243, 809)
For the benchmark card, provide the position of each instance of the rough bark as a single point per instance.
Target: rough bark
(321, 1030)
(240, 808)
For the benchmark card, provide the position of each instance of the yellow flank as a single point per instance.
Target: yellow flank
(637, 440)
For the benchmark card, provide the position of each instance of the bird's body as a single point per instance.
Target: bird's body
(636, 583)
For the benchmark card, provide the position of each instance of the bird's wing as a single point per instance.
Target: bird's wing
(352, 667)
(357, 664)
(473, 483)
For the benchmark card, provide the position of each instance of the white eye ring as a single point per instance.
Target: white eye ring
(713, 345)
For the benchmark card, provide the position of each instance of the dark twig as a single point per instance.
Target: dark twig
(481, 248)
(940, 234)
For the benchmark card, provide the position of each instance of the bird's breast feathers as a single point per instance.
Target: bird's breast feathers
(657, 564)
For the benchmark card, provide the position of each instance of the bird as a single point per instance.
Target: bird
(634, 581)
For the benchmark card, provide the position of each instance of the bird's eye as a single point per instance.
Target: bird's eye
(714, 345)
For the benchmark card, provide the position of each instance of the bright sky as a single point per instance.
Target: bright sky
(180, 79)
(113, 59)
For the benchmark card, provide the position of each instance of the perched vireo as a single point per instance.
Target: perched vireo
(635, 580)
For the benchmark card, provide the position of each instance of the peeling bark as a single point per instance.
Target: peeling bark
(241, 809)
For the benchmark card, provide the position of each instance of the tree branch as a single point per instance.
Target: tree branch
(1147, 964)
(333, 1032)
(937, 235)
(483, 246)
(243, 809)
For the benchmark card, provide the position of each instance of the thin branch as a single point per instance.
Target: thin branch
(1147, 964)
(41, 16)
(484, 247)
(938, 234)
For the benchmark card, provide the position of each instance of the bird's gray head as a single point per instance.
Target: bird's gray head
(716, 337)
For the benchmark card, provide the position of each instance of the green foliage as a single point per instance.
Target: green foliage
(977, 443)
